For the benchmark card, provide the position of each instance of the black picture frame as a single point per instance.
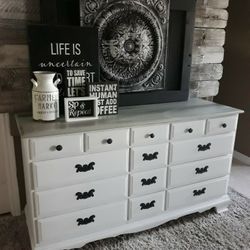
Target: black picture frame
(181, 27)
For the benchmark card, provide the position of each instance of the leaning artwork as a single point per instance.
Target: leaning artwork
(133, 41)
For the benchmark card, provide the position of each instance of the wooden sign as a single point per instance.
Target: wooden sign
(107, 94)
(80, 108)
(55, 48)
(76, 82)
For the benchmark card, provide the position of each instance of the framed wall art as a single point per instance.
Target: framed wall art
(146, 46)
(133, 40)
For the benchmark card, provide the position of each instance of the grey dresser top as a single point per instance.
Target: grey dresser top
(127, 117)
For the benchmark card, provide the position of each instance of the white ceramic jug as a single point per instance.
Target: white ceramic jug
(45, 96)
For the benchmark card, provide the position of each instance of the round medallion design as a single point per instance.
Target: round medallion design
(131, 43)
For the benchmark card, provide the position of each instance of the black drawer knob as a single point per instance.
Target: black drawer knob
(109, 141)
(85, 221)
(223, 125)
(190, 130)
(147, 205)
(59, 148)
(152, 136)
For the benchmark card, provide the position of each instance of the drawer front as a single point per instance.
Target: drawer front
(202, 148)
(146, 206)
(148, 182)
(107, 140)
(150, 135)
(53, 147)
(221, 125)
(82, 222)
(198, 171)
(55, 173)
(149, 157)
(197, 193)
(81, 196)
(187, 130)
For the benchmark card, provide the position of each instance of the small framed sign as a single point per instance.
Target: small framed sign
(107, 94)
(80, 109)
(76, 82)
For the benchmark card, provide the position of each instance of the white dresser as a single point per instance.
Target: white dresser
(90, 180)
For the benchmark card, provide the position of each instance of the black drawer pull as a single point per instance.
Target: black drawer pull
(85, 221)
(85, 168)
(59, 148)
(148, 182)
(199, 192)
(223, 125)
(85, 195)
(189, 130)
(204, 147)
(150, 157)
(201, 170)
(147, 205)
(109, 141)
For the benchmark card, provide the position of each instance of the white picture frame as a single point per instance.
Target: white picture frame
(76, 110)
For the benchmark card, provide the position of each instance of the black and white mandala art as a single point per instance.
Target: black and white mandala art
(132, 41)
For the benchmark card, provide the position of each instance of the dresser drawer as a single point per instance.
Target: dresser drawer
(197, 193)
(148, 182)
(222, 125)
(82, 222)
(187, 130)
(59, 172)
(146, 206)
(149, 157)
(150, 135)
(106, 140)
(81, 196)
(198, 171)
(45, 148)
(202, 148)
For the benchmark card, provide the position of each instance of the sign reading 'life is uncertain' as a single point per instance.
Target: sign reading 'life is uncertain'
(59, 48)
(107, 94)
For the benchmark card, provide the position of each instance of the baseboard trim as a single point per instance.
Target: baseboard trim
(241, 157)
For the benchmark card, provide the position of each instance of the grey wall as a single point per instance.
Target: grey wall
(235, 84)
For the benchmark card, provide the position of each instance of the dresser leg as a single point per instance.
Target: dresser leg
(221, 209)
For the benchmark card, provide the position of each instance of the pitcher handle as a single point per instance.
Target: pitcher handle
(58, 80)
(35, 84)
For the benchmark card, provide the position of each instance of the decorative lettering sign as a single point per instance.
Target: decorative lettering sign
(107, 94)
(76, 81)
(80, 108)
(54, 48)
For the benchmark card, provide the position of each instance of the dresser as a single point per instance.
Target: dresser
(87, 181)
